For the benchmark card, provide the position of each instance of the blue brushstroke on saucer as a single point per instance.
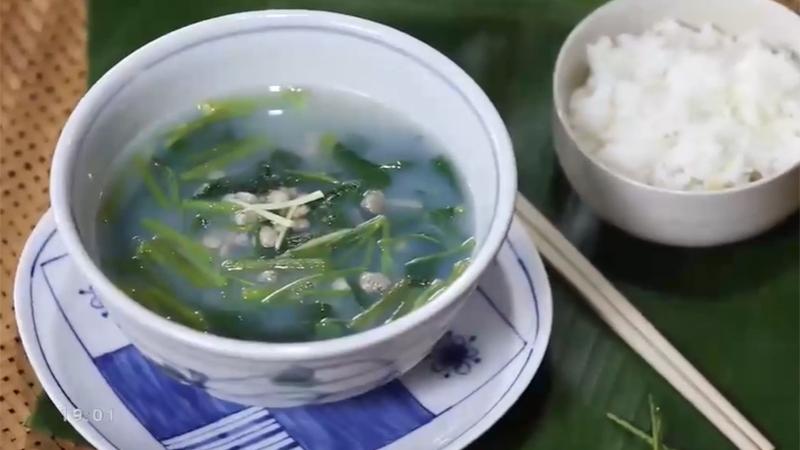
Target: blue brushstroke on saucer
(166, 407)
(366, 422)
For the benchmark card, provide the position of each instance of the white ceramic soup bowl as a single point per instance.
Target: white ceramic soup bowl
(656, 214)
(250, 52)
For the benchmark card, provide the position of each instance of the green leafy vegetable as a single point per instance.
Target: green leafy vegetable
(444, 217)
(261, 179)
(327, 294)
(387, 261)
(228, 155)
(327, 142)
(296, 287)
(283, 160)
(323, 245)
(444, 220)
(190, 252)
(111, 198)
(425, 267)
(212, 207)
(371, 174)
(160, 301)
(145, 169)
(329, 328)
(436, 286)
(220, 110)
(397, 240)
(276, 264)
(173, 186)
(253, 294)
(427, 294)
(382, 310)
(398, 165)
(311, 177)
(442, 166)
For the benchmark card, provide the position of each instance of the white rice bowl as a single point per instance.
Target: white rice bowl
(689, 109)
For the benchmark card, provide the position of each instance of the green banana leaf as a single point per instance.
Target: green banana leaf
(732, 310)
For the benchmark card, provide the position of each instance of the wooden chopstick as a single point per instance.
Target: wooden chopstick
(637, 331)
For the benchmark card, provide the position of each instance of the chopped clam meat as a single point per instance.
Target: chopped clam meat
(245, 197)
(212, 241)
(245, 217)
(301, 225)
(340, 284)
(241, 239)
(267, 276)
(374, 202)
(267, 236)
(374, 282)
(301, 211)
(277, 196)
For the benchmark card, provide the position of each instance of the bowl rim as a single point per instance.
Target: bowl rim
(62, 174)
(560, 106)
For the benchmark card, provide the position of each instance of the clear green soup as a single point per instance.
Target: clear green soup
(296, 215)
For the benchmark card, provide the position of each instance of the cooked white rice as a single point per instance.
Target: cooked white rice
(690, 109)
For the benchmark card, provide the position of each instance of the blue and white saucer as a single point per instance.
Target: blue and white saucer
(117, 400)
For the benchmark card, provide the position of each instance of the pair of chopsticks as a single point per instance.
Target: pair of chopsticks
(637, 331)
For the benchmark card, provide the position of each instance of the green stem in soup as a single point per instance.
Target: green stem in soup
(145, 169)
(398, 165)
(212, 112)
(445, 220)
(283, 160)
(211, 207)
(442, 166)
(387, 261)
(173, 186)
(410, 302)
(192, 252)
(311, 177)
(425, 267)
(329, 328)
(229, 154)
(161, 302)
(276, 264)
(437, 286)
(397, 240)
(430, 291)
(371, 174)
(258, 179)
(383, 308)
(324, 245)
(158, 253)
(369, 251)
(111, 197)
(305, 283)
(318, 246)
(251, 294)
(327, 294)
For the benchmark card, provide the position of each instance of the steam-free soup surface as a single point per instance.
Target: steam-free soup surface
(291, 215)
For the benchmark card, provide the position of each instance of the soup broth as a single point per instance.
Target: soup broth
(300, 214)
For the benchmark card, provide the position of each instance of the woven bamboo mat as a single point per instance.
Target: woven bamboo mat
(42, 74)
